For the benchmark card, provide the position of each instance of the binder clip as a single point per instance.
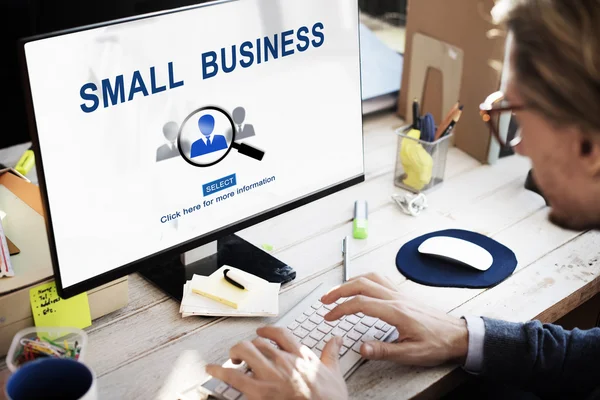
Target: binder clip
(411, 204)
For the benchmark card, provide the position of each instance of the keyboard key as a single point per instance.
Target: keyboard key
(317, 305)
(301, 332)
(327, 337)
(343, 350)
(221, 387)
(348, 342)
(359, 315)
(338, 332)
(322, 311)
(309, 312)
(317, 352)
(293, 326)
(379, 324)
(386, 327)
(345, 326)
(309, 342)
(340, 300)
(330, 306)
(317, 335)
(354, 335)
(353, 319)
(231, 394)
(301, 318)
(368, 321)
(356, 347)
(323, 327)
(333, 323)
(321, 346)
(379, 335)
(309, 326)
(315, 319)
(361, 328)
(370, 335)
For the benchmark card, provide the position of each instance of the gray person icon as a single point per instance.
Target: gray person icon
(244, 131)
(168, 150)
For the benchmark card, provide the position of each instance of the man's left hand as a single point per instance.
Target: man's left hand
(291, 371)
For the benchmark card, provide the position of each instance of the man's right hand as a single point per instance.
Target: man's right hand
(427, 337)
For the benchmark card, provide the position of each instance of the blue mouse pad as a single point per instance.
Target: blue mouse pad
(432, 271)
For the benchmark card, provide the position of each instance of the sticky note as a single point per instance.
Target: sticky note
(50, 310)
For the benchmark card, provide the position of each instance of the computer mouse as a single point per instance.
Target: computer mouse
(457, 250)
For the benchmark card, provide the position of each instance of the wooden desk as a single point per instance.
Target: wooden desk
(147, 350)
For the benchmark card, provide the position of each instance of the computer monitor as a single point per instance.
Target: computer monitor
(36, 17)
(164, 134)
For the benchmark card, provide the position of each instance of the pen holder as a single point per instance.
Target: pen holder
(420, 165)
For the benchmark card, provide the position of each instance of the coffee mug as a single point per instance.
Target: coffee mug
(52, 378)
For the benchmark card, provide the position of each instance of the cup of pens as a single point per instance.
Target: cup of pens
(48, 363)
(423, 149)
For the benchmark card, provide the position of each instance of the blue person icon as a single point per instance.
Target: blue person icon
(206, 145)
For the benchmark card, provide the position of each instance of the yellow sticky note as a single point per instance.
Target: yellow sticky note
(50, 310)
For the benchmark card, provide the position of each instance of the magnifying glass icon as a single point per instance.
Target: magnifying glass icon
(207, 136)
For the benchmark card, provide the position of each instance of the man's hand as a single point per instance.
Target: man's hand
(427, 337)
(291, 372)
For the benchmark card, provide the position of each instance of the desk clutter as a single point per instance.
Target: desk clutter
(31, 344)
(423, 148)
(28, 296)
(230, 292)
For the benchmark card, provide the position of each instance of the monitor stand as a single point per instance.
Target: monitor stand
(230, 250)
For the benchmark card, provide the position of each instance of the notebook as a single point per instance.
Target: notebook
(214, 296)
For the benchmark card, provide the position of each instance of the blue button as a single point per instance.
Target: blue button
(218, 185)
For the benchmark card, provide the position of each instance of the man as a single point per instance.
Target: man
(554, 92)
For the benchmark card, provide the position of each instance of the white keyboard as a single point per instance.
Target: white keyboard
(306, 322)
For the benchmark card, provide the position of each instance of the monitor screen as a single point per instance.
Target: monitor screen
(154, 133)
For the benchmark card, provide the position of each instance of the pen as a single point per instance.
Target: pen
(454, 121)
(345, 253)
(447, 120)
(232, 281)
(416, 114)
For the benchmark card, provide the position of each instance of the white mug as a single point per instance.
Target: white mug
(52, 378)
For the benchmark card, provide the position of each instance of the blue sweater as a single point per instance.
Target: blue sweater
(544, 359)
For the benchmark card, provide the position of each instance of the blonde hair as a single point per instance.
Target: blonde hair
(556, 57)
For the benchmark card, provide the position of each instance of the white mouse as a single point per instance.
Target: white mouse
(457, 250)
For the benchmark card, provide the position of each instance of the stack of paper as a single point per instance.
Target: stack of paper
(214, 296)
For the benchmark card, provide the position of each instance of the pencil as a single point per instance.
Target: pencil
(446, 122)
(454, 121)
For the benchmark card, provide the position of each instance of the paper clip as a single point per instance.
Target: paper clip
(42, 347)
(411, 204)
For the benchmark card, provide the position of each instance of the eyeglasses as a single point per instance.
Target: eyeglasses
(497, 113)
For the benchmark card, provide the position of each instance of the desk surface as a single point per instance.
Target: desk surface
(147, 350)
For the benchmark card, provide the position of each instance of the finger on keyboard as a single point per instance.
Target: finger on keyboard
(283, 337)
(361, 286)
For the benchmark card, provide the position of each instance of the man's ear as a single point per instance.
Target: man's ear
(590, 154)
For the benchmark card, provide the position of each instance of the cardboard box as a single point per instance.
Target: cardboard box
(24, 225)
(464, 24)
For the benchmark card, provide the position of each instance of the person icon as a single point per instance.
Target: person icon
(206, 144)
(168, 150)
(243, 131)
